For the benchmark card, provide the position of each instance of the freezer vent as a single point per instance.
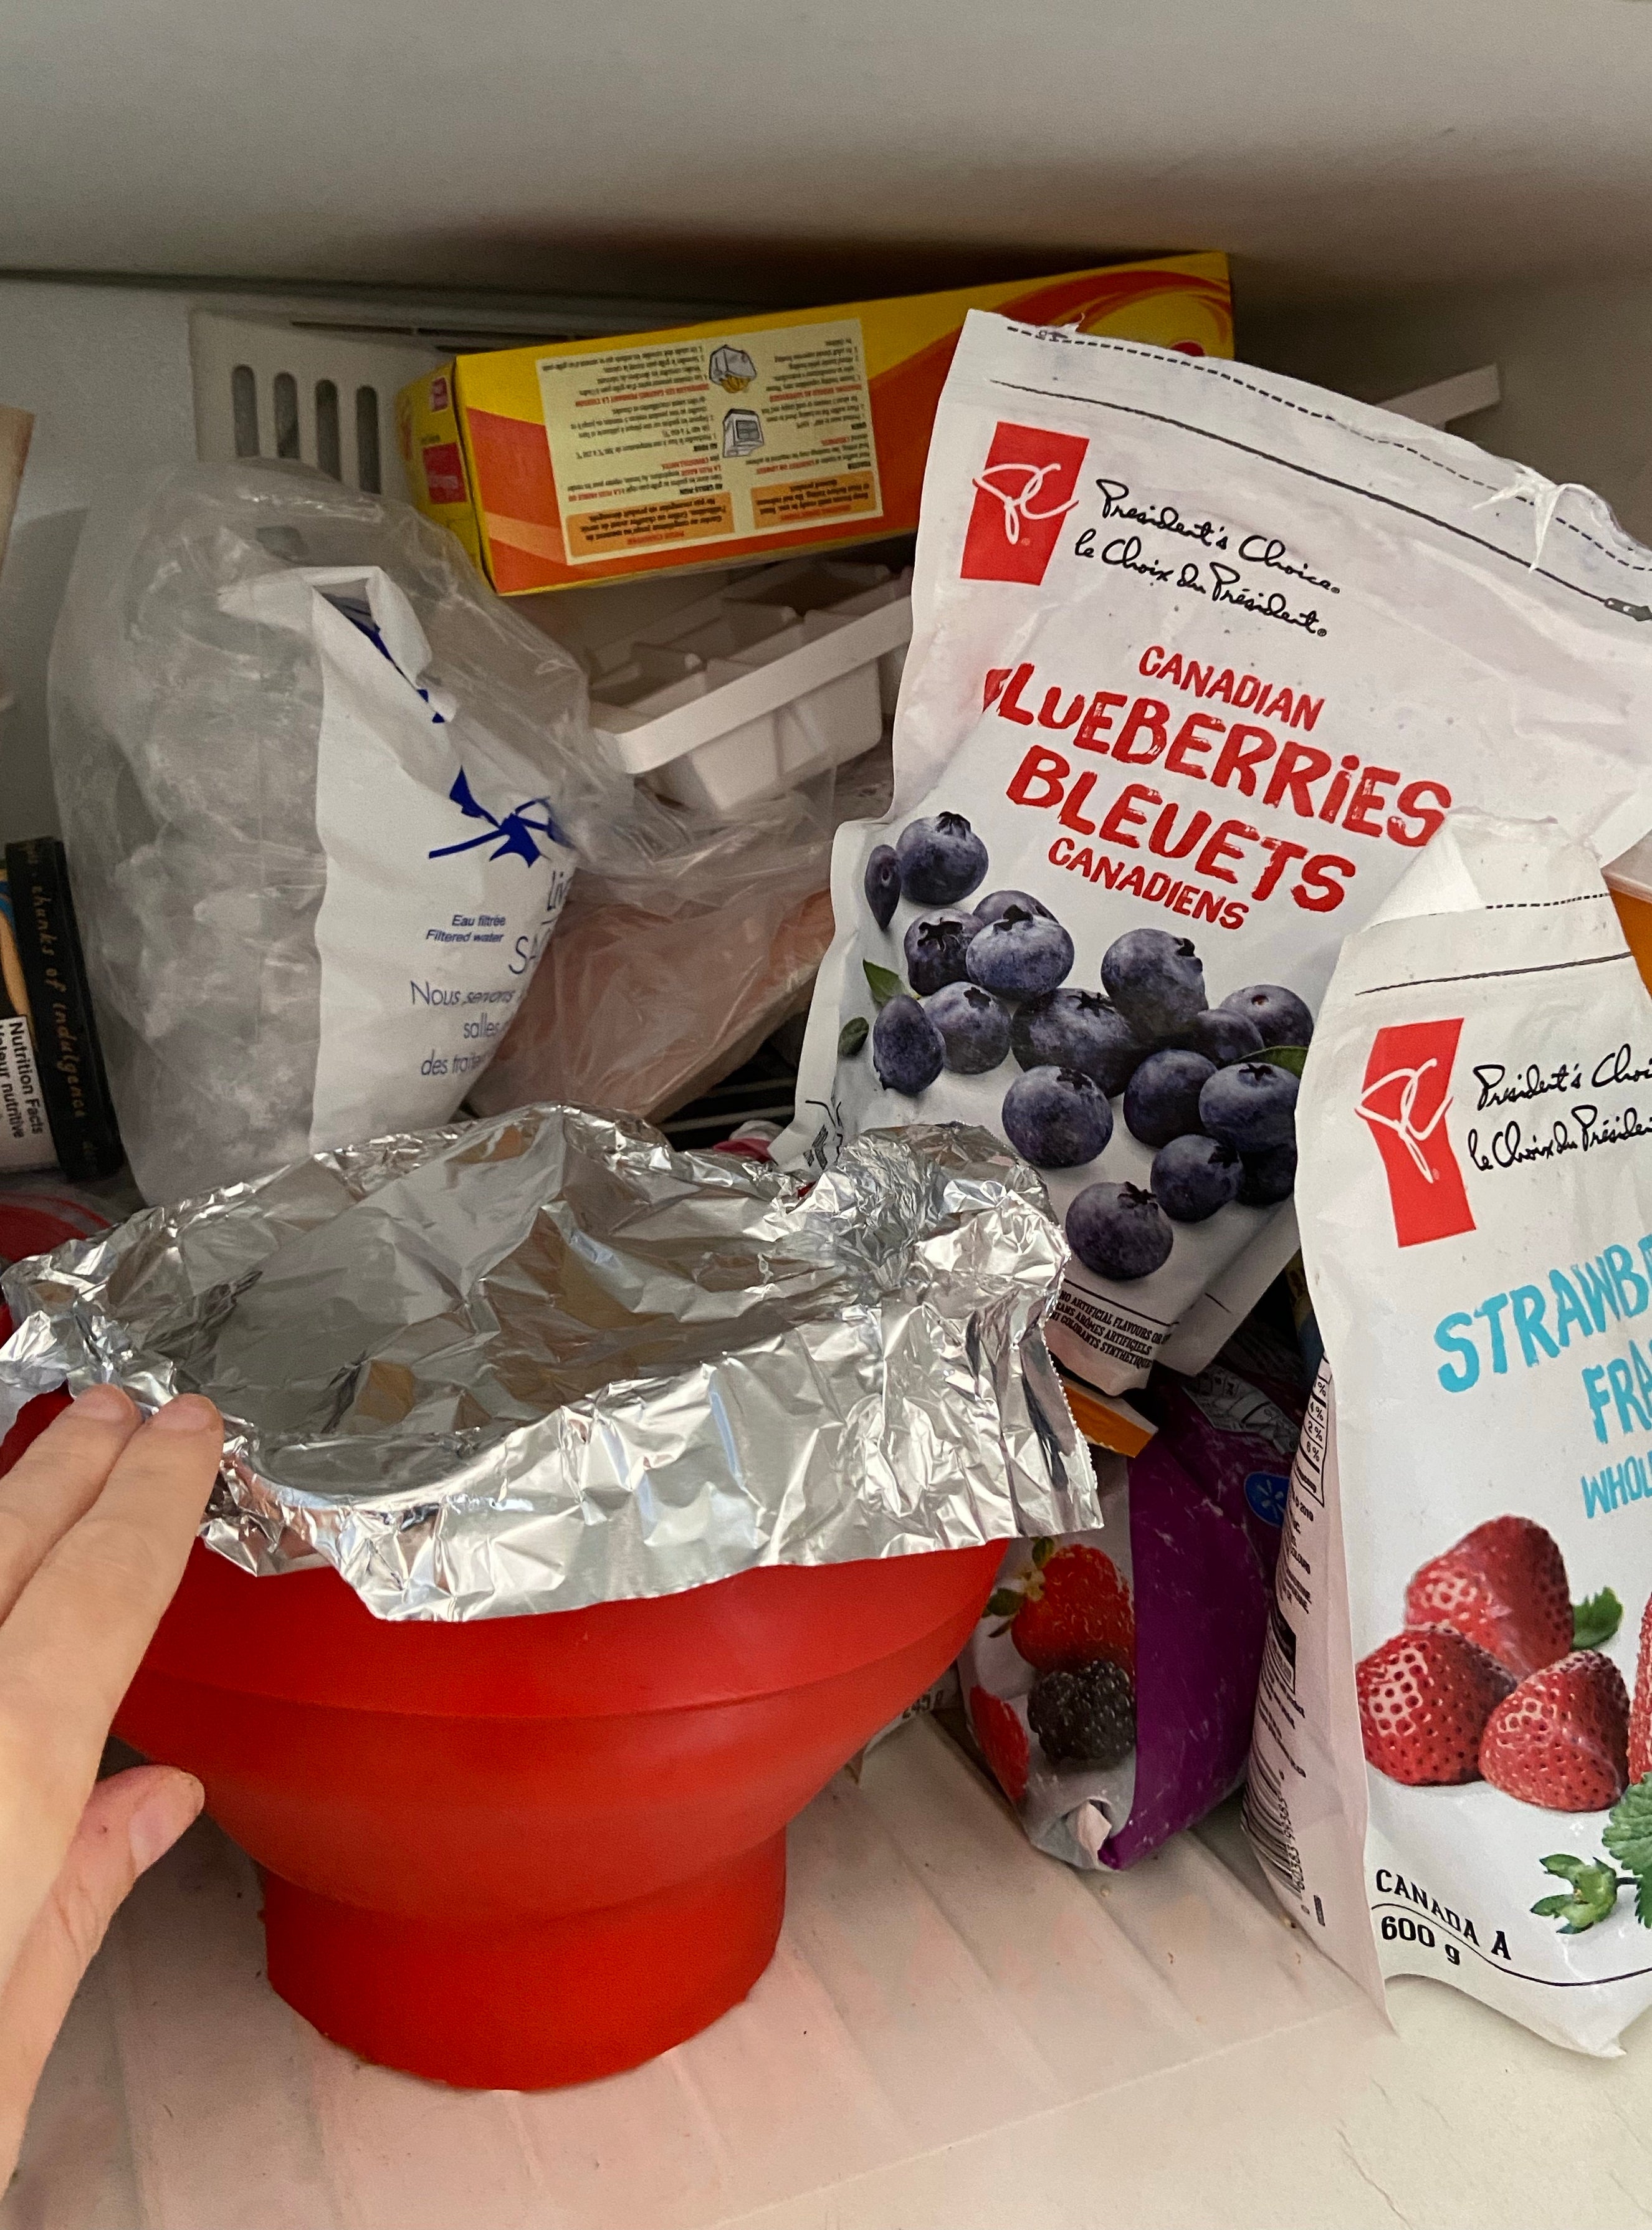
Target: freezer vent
(318, 381)
(276, 389)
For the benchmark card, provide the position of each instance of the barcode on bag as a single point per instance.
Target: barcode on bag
(1266, 1822)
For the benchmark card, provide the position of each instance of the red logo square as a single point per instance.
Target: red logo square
(445, 472)
(1022, 492)
(1407, 1091)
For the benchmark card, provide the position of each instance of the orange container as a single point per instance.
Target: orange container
(1635, 913)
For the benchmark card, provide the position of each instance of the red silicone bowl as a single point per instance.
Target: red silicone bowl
(532, 1850)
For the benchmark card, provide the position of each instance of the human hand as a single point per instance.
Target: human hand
(96, 1519)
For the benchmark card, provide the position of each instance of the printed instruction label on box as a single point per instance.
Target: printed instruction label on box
(710, 440)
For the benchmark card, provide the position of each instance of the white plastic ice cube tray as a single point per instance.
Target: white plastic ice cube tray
(753, 688)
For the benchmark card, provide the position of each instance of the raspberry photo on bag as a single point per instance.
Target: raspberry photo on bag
(1452, 1762)
(1201, 659)
(1048, 1680)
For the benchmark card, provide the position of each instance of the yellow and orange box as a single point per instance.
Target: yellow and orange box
(741, 439)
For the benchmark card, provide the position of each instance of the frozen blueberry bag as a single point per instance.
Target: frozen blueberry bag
(1201, 659)
(1452, 1763)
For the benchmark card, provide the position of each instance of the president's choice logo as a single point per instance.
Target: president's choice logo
(1407, 1093)
(1022, 492)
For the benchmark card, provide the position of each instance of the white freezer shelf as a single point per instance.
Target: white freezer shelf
(957, 2033)
(746, 693)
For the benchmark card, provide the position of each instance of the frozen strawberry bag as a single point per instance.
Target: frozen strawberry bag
(1201, 659)
(1451, 1772)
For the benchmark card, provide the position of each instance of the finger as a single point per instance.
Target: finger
(56, 1480)
(76, 1636)
(128, 1822)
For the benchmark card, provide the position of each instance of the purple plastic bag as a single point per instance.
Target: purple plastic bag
(1236, 1436)
(1167, 1602)
(1201, 1606)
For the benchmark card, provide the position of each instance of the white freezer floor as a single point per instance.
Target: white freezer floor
(957, 2033)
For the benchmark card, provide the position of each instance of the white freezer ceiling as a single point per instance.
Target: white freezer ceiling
(751, 149)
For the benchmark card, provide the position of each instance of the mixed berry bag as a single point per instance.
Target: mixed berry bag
(1237, 1435)
(1201, 659)
(1111, 1683)
(1452, 1767)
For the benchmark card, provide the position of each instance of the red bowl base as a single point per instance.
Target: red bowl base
(532, 2006)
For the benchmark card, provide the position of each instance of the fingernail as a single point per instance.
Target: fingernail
(105, 1405)
(190, 1413)
(156, 1824)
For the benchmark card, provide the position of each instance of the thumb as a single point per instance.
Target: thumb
(130, 1821)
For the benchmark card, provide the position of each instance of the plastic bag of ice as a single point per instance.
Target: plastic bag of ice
(323, 795)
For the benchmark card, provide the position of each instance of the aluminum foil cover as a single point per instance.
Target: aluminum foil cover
(544, 1361)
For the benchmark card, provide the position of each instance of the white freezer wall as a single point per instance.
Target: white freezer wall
(1574, 358)
(596, 143)
(105, 370)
